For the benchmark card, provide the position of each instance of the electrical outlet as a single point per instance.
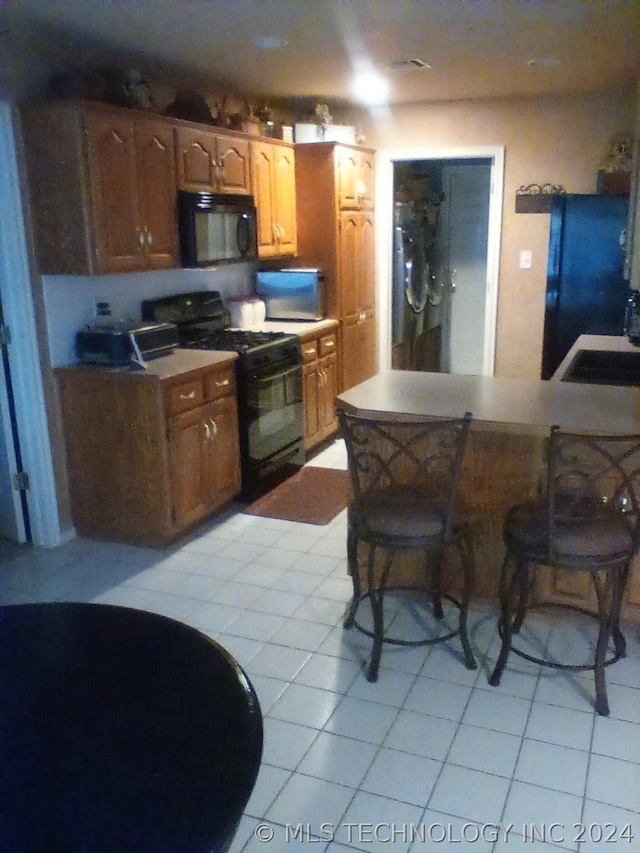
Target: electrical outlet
(103, 309)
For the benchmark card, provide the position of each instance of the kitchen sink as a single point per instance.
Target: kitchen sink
(604, 367)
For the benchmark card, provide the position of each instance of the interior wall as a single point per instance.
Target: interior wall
(559, 140)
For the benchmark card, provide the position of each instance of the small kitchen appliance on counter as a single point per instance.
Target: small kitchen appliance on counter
(269, 383)
(292, 294)
(117, 345)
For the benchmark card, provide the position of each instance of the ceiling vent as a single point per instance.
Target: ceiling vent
(403, 64)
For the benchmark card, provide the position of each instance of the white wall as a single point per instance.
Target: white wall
(70, 300)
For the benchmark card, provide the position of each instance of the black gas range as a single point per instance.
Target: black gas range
(269, 379)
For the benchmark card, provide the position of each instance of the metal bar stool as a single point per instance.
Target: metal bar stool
(405, 476)
(588, 521)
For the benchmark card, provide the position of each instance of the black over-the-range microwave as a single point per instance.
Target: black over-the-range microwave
(216, 228)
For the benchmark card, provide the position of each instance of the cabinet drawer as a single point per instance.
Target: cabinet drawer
(185, 396)
(328, 344)
(309, 350)
(220, 383)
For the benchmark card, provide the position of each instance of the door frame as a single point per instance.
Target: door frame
(384, 237)
(24, 354)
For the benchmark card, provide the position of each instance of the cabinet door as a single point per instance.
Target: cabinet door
(366, 180)
(328, 393)
(359, 351)
(222, 470)
(234, 165)
(274, 189)
(347, 165)
(156, 182)
(349, 264)
(196, 159)
(119, 243)
(265, 197)
(285, 188)
(188, 460)
(366, 281)
(311, 381)
(357, 263)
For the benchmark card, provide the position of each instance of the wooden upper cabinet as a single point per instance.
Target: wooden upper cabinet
(102, 188)
(234, 163)
(209, 161)
(355, 177)
(274, 188)
(112, 175)
(132, 181)
(336, 232)
(156, 182)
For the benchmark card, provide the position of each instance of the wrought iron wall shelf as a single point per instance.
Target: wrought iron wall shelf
(537, 198)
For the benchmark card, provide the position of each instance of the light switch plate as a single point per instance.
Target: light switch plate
(525, 259)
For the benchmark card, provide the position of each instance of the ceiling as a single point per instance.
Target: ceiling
(306, 50)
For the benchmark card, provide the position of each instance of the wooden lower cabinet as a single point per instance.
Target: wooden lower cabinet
(203, 453)
(149, 456)
(320, 379)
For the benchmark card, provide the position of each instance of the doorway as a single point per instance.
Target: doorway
(439, 243)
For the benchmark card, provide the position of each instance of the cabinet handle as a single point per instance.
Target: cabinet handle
(222, 383)
(328, 343)
(190, 396)
(310, 351)
(214, 427)
(149, 238)
(207, 431)
(141, 237)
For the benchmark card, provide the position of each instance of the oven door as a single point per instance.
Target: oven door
(273, 428)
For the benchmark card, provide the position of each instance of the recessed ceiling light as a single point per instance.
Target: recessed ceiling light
(544, 62)
(270, 42)
(370, 88)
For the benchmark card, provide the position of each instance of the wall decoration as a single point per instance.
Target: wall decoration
(536, 198)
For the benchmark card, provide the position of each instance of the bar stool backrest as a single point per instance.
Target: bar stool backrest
(590, 477)
(426, 455)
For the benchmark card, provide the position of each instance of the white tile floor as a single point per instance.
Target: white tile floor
(428, 758)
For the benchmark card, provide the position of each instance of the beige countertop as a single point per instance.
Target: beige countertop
(611, 343)
(178, 363)
(509, 404)
(299, 327)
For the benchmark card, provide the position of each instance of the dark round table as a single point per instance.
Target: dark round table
(121, 731)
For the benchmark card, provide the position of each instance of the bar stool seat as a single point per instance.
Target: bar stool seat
(588, 522)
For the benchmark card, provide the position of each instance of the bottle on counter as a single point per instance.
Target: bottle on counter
(632, 318)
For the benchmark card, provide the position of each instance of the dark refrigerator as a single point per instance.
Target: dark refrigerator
(586, 289)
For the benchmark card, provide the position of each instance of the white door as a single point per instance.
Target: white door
(465, 233)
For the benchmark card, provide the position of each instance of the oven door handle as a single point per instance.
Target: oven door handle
(274, 377)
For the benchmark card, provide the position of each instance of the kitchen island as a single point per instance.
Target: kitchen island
(505, 461)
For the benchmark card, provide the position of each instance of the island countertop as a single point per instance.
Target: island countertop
(509, 404)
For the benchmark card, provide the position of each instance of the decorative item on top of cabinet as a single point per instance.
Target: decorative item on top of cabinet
(320, 380)
(334, 197)
(274, 190)
(212, 161)
(168, 453)
(102, 188)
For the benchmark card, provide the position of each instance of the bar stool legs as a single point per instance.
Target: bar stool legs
(609, 585)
